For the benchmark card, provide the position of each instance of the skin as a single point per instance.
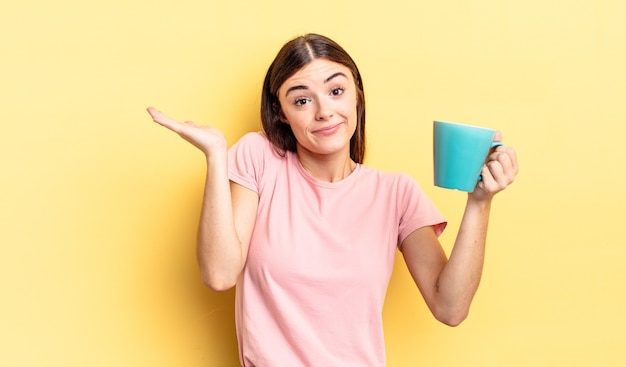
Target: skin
(319, 102)
(449, 285)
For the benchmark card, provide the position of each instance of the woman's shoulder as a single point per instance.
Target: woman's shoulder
(253, 143)
(254, 138)
(383, 181)
(254, 151)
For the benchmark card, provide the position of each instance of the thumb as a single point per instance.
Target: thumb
(498, 136)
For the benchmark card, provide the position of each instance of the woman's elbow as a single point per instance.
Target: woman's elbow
(452, 318)
(218, 284)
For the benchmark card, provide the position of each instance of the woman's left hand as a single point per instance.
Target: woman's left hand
(498, 172)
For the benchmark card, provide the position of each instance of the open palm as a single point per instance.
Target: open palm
(206, 138)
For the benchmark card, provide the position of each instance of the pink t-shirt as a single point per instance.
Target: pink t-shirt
(320, 258)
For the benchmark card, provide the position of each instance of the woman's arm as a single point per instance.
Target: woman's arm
(226, 222)
(449, 285)
(228, 209)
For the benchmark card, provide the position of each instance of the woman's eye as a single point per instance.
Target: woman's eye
(301, 101)
(336, 91)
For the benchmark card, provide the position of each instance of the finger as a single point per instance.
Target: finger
(513, 157)
(496, 169)
(497, 138)
(162, 119)
(487, 181)
(506, 156)
(502, 172)
(491, 184)
(159, 117)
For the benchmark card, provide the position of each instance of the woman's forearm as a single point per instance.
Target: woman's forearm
(220, 252)
(219, 249)
(459, 279)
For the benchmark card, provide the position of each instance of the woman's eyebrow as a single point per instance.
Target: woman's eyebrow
(302, 86)
(339, 73)
(295, 87)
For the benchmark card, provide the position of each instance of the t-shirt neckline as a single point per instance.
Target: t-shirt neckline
(293, 157)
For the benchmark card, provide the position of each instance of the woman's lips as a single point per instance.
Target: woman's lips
(327, 130)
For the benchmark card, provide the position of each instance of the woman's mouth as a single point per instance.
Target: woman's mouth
(328, 130)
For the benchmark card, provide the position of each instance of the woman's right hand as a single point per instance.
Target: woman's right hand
(206, 138)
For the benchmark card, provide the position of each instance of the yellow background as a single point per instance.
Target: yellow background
(99, 206)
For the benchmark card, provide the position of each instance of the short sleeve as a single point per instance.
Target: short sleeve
(417, 210)
(246, 160)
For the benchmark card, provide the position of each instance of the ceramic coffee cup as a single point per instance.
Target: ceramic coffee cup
(460, 152)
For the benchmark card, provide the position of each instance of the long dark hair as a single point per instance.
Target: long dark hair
(293, 56)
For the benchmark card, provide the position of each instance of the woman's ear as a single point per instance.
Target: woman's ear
(279, 112)
(282, 118)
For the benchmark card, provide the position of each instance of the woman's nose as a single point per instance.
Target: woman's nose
(324, 110)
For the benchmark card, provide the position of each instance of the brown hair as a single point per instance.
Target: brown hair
(293, 56)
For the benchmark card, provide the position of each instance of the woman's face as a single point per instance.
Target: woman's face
(319, 103)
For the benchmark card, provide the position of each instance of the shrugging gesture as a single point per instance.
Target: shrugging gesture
(206, 138)
(228, 209)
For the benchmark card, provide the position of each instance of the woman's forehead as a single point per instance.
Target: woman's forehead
(318, 71)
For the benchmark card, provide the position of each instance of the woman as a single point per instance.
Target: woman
(309, 235)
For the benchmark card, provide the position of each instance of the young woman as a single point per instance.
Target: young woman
(309, 234)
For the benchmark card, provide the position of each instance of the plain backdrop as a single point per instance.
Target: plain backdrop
(99, 206)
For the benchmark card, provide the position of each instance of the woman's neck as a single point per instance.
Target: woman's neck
(329, 168)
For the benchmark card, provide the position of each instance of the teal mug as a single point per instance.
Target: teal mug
(459, 153)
